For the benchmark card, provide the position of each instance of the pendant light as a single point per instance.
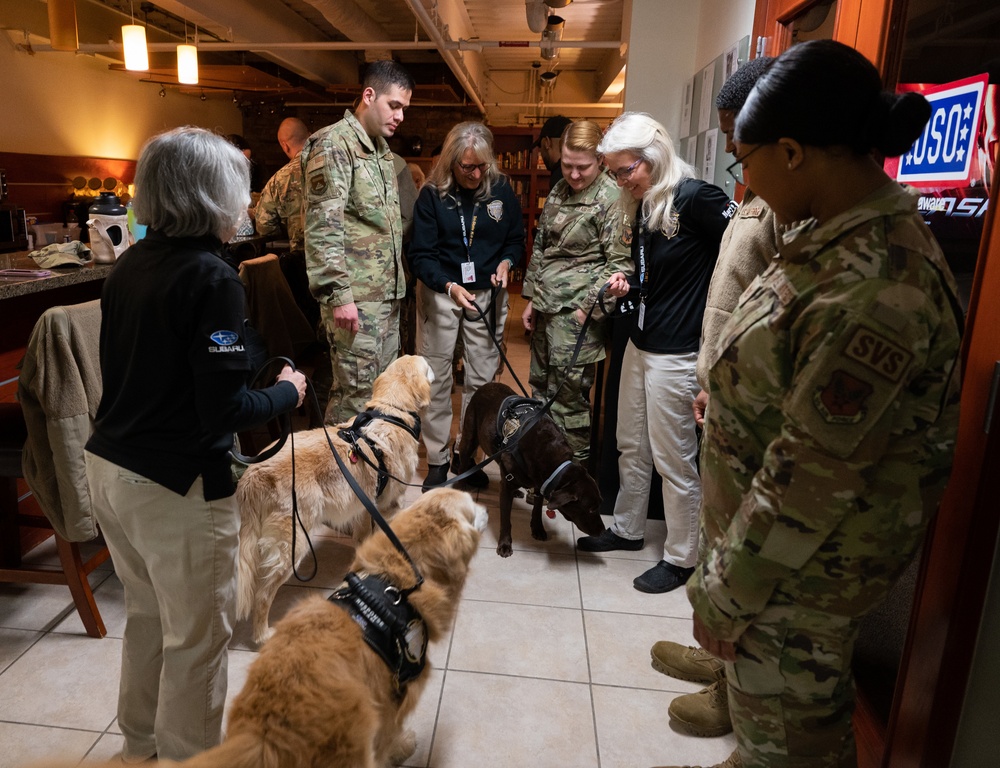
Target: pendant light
(187, 60)
(134, 44)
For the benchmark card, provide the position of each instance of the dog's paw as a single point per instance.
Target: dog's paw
(539, 533)
(262, 636)
(505, 549)
(404, 746)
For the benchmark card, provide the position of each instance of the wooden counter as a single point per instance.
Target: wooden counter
(61, 276)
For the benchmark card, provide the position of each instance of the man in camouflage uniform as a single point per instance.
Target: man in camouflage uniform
(280, 205)
(353, 237)
(582, 240)
(834, 406)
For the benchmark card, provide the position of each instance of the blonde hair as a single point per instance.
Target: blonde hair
(582, 136)
(639, 134)
(479, 139)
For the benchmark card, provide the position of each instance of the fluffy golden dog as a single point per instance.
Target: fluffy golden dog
(264, 492)
(318, 695)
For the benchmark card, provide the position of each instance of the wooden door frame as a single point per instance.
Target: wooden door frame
(959, 550)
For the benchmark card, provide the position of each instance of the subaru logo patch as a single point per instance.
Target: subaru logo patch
(224, 338)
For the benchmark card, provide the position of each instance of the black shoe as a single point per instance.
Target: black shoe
(608, 542)
(662, 577)
(478, 479)
(437, 475)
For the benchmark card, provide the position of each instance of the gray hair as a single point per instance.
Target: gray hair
(191, 182)
(639, 134)
(479, 139)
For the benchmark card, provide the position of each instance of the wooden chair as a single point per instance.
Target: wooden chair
(20, 531)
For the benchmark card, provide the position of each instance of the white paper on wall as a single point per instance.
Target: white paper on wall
(686, 108)
(707, 164)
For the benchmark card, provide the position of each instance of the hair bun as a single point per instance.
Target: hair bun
(898, 121)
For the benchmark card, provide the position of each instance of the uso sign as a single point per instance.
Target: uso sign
(944, 152)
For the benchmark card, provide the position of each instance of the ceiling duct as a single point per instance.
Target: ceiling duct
(552, 33)
(352, 21)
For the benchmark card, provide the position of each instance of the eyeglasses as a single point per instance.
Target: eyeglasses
(468, 170)
(624, 174)
(735, 169)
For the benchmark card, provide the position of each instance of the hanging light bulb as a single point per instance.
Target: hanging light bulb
(62, 25)
(187, 64)
(134, 44)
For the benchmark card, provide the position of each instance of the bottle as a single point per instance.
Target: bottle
(109, 228)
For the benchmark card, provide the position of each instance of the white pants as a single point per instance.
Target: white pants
(440, 321)
(656, 428)
(176, 557)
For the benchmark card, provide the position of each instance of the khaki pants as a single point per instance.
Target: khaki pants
(440, 322)
(176, 557)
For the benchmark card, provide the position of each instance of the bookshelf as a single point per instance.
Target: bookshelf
(528, 176)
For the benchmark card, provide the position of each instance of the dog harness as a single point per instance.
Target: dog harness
(391, 626)
(353, 434)
(515, 418)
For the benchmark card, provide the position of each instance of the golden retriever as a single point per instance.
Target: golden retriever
(317, 695)
(264, 493)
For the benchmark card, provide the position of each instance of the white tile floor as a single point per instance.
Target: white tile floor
(547, 665)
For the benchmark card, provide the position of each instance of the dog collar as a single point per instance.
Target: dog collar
(544, 490)
(391, 626)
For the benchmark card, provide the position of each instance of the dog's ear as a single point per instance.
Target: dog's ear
(561, 497)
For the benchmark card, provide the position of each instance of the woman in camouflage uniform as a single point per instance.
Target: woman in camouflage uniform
(833, 408)
(581, 242)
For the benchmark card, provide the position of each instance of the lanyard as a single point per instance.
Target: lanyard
(643, 272)
(472, 233)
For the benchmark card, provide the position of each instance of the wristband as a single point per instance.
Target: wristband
(450, 286)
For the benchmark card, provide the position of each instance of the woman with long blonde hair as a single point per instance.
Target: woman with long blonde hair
(468, 234)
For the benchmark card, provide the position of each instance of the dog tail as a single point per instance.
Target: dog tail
(250, 494)
(244, 750)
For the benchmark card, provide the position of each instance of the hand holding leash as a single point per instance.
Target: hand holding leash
(461, 296)
(295, 377)
(618, 285)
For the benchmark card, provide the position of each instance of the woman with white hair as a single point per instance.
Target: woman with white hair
(468, 235)
(678, 225)
(174, 369)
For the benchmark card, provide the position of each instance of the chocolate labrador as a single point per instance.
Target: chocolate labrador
(540, 459)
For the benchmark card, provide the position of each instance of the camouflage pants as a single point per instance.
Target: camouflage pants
(552, 343)
(357, 359)
(791, 695)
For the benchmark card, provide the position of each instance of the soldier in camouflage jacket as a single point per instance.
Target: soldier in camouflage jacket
(353, 237)
(833, 407)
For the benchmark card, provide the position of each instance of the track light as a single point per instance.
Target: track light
(203, 97)
(163, 92)
(62, 25)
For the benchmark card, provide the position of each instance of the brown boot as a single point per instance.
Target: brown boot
(705, 713)
(733, 761)
(686, 663)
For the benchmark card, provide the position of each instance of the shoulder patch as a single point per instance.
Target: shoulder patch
(879, 354)
(730, 209)
(842, 399)
(626, 237)
(317, 182)
(752, 211)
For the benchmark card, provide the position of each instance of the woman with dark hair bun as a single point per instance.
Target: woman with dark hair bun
(833, 407)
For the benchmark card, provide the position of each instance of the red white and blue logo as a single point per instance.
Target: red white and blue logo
(947, 147)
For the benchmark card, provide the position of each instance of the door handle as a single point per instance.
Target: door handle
(992, 400)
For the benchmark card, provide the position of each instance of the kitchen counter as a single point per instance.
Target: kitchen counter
(60, 277)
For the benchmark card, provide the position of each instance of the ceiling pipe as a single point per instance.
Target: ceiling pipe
(455, 63)
(352, 21)
(421, 45)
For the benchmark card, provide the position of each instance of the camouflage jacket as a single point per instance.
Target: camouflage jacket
(748, 245)
(832, 418)
(583, 238)
(353, 229)
(280, 204)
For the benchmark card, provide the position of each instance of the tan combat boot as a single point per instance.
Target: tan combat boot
(705, 713)
(733, 761)
(685, 663)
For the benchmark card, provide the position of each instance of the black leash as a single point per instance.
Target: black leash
(284, 419)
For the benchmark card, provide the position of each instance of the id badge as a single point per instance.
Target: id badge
(642, 314)
(468, 272)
